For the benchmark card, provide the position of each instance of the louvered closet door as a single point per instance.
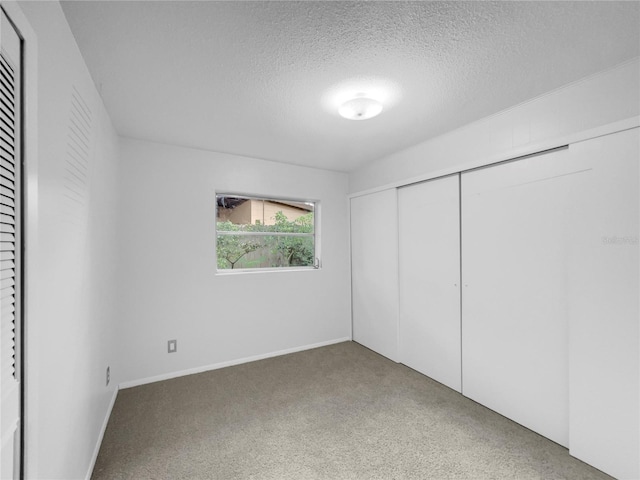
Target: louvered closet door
(10, 250)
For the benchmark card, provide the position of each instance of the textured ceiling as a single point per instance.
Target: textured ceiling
(263, 79)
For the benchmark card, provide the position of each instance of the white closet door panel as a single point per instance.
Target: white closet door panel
(429, 252)
(374, 271)
(516, 225)
(604, 314)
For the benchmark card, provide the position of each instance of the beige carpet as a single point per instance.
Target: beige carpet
(337, 412)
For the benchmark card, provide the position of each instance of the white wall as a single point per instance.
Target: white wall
(71, 323)
(167, 270)
(598, 100)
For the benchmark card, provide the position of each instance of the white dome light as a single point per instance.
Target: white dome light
(360, 108)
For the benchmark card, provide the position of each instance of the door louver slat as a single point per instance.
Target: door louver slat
(8, 220)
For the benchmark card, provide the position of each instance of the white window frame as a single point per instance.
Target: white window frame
(316, 234)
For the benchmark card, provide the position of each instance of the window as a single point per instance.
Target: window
(265, 233)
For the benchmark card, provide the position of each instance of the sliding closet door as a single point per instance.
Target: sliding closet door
(374, 271)
(517, 233)
(429, 271)
(604, 347)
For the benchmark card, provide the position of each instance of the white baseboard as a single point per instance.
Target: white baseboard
(96, 450)
(216, 366)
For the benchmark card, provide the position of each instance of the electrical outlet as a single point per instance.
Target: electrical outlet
(108, 375)
(172, 346)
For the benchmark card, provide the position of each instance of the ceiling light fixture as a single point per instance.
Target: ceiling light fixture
(360, 108)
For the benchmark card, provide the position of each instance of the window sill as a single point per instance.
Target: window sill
(240, 271)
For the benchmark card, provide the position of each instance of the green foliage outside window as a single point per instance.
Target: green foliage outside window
(251, 251)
